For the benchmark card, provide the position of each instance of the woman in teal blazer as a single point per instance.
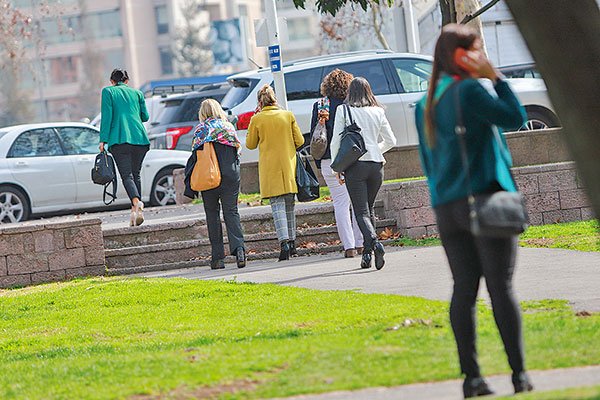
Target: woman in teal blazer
(122, 132)
(472, 257)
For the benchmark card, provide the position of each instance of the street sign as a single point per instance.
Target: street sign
(275, 58)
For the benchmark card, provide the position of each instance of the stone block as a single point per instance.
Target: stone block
(573, 198)
(50, 276)
(59, 240)
(3, 268)
(28, 243)
(557, 180)
(408, 196)
(553, 217)
(84, 236)
(587, 213)
(527, 184)
(536, 218)
(27, 263)
(68, 258)
(541, 202)
(94, 256)
(43, 241)
(432, 230)
(14, 281)
(416, 232)
(413, 217)
(95, 270)
(11, 244)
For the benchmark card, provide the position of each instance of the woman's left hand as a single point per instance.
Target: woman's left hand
(101, 147)
(340, 177)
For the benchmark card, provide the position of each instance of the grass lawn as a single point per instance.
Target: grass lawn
(107, 338)
(584, 393)
(582, 236)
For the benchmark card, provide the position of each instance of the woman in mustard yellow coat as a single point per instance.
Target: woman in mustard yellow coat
(277, 135)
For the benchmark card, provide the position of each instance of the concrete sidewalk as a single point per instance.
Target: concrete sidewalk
(423, 272)
(452, 390)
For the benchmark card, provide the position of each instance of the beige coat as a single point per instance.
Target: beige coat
(277, 135)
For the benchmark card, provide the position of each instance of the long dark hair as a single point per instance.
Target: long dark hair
(119, 75)
(360, 94)
(452, 37)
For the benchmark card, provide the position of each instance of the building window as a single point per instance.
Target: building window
(299, 29)
(162, 19)
(67, 29)
(62, 70)
(106, 24)
(166, 60)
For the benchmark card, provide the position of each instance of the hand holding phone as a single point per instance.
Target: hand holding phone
(466, 60)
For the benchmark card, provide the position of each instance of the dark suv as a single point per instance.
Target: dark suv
(173, 128)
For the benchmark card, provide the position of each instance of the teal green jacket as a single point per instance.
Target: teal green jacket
(489, 159)
(123, 111)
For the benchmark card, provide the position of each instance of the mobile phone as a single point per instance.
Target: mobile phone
(461, 58)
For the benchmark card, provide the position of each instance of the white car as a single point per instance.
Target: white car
(398, 80)
(46, 168)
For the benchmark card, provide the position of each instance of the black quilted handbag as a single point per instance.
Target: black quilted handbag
(497, 214)
(352, 145)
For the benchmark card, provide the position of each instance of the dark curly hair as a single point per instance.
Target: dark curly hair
(336, 83)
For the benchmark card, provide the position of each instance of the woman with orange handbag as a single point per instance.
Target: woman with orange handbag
(216, 130)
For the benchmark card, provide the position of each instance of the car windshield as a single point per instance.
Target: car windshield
(240, 89)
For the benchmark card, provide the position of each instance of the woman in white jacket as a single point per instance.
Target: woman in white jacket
(363, 178)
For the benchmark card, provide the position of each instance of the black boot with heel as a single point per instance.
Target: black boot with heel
(474, 387)
(284, 254)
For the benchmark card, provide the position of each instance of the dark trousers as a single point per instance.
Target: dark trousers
(226, 195)
(471, 258)
(363, 180)
(129, 159)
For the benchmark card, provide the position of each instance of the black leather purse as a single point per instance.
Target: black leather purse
(104, 173)
(497, 214)
(352, 145)
(306, 180)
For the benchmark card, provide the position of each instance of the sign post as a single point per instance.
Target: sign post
(275, 59)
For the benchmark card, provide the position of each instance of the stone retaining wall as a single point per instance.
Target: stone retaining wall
(38, 252)
(553, 193)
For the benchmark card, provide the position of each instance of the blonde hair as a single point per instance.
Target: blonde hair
(210, 108)
(266, 96)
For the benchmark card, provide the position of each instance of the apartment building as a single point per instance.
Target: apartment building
(83, 40)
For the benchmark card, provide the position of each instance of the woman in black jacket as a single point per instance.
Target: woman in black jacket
(335, 89)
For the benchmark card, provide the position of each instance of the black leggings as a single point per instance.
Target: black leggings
(470, 258)
(129, 159)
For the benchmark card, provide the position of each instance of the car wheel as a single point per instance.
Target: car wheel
(14, 205)
(163, 189)
(537, 120)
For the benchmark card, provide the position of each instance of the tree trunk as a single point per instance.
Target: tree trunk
(564, 40)
(466, 7)
(377, 16)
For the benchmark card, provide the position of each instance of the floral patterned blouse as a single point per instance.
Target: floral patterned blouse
(216, 130)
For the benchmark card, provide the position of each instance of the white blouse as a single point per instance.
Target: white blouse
(375, 130)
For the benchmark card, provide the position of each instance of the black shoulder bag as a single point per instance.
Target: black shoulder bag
(104, 173)
(498, 214)
(306, 180)
(352, 145)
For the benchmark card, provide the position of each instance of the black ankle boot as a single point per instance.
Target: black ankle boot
(240, 255)
(284, 254)
(365, 262)
(521, 382)
(217, 264)
(293, 251)
(379, 252)
(473, 387)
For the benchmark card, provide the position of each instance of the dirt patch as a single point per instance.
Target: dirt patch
(204, 392)
(541, 242)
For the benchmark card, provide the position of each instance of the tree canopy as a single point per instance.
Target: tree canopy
(333, 6)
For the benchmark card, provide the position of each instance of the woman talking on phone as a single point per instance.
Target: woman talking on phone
(456, 99)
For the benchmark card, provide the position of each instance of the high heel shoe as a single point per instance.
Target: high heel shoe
(284, 254)
(474, 387)
(365, 262)
(379, 252)
(139, 213)
(521, 382)
(240, 255)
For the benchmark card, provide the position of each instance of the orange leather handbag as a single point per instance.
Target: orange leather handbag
(206, 174)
